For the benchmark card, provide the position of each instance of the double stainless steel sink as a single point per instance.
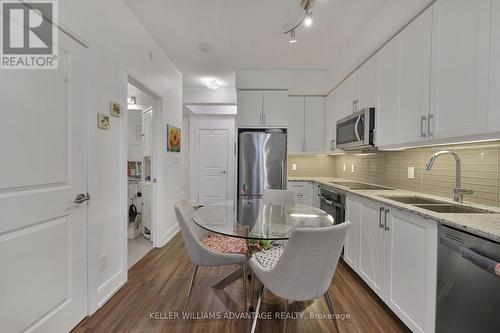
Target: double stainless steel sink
(436, 205)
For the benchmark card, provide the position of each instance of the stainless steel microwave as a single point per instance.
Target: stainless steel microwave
(357, 131)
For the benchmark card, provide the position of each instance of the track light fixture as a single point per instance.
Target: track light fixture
(306, 20)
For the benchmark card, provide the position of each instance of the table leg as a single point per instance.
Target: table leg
(229, 279)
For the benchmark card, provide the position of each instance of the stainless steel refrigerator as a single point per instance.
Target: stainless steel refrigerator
(262, 162)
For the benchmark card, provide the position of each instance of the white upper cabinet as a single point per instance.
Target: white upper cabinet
(275, 108)
(295, 134)
(494, 99)
(249, 108)
(259, 108)
(404, 80)
(330, 125)
(314, 124)
(366, 85)
(459, 68)
(346, 98)
(306, 124)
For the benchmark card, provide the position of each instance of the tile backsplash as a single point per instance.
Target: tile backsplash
(480, 170)
(312, 166)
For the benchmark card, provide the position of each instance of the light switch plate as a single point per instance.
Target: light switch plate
(352, 168)
(294, 167)
(411, 172)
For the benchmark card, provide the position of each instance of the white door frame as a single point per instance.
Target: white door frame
(156, 150)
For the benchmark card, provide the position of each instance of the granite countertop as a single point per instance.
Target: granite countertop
(484, 225)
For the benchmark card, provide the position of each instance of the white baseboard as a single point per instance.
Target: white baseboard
(110, 287)
(168, 235)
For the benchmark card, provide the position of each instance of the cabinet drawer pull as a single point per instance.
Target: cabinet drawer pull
(429, 125)
(380, 217)
(422, 124)
(386, 228)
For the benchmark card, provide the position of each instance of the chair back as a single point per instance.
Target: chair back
(191, 233)
(286, 197)
(306, 267)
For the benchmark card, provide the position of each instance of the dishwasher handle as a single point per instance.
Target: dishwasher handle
(456, 244)
(487, 264)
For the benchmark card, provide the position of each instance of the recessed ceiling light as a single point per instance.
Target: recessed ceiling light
(205, 47)
(212, 84)
(292, 38)
(308, 21)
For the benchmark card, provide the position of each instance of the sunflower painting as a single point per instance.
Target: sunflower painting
(173, 139)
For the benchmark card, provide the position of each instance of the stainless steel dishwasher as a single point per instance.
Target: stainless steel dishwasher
(468, 294)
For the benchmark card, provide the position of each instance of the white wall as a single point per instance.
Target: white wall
(119, 44)
(211, 122)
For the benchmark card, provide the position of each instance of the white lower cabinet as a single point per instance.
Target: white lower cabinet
(371, 247)
(351, 247)
(316, 201)
(304, 191)
(395, 253)
(411, 261)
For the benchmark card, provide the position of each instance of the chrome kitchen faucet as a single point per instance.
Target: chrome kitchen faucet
(458, 191)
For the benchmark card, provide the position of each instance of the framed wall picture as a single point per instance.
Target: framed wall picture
(115, 109)
(102, 121)
(173, 139)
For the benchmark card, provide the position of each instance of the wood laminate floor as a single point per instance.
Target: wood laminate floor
(158, 283)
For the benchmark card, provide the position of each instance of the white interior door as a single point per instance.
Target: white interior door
(43, 256)
(213, 165)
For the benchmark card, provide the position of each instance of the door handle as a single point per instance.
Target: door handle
(81, 197)
(356, 128)
(283, 187)
(386, 228)
(431, 118)
(223, 172)
(380, 217)
(422, 122)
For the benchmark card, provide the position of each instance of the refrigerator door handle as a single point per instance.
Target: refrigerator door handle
(283, 175)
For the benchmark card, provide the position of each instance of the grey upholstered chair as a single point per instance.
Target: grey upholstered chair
(198, 253)
(288, 197)
(305, 269)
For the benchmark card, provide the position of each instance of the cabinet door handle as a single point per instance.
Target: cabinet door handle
(429, 125)
(264, 121)
(386, 228)
(380, 217)
(422, 124)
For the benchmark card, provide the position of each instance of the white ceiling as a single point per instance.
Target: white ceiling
(248, 34)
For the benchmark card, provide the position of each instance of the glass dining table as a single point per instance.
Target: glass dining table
(255, 219)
